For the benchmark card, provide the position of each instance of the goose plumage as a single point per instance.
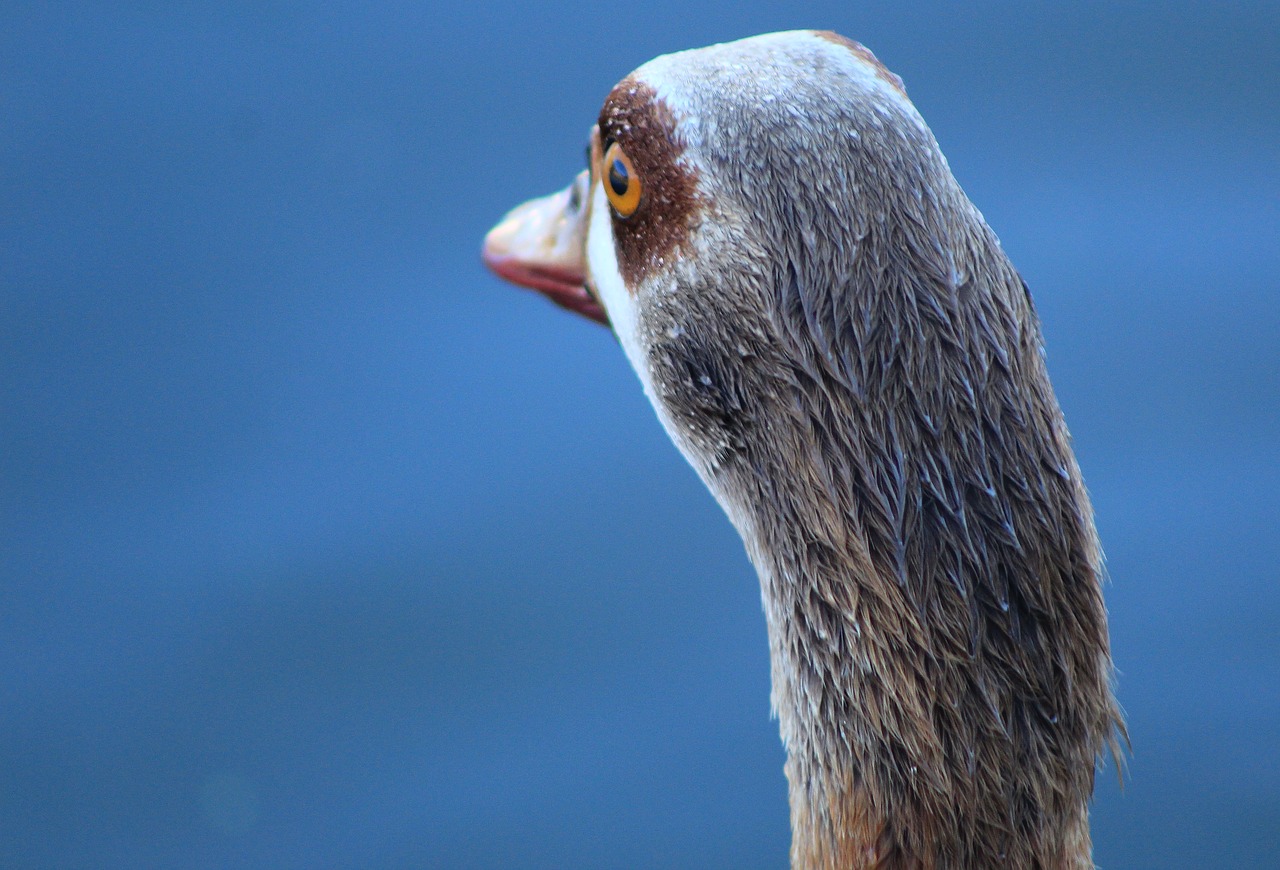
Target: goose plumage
(832, 335)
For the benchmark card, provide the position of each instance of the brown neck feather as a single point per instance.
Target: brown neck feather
(862, 385)
(929, 568)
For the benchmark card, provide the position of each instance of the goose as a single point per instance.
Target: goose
(833, 337)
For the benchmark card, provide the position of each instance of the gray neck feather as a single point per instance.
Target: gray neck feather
(863, 388)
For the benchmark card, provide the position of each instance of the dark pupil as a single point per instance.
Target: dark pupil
(618, 178)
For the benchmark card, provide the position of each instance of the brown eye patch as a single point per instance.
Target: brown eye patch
(652, 191)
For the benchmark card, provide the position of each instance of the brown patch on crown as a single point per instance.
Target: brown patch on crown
(643, 124)
(864, 54)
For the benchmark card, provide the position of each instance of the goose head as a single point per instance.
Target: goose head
(834, 338)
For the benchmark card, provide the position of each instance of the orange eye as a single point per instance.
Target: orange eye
(621, 184)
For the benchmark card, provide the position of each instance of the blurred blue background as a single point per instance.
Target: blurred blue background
(321, 547)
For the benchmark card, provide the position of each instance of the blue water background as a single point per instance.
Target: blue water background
(320, 547)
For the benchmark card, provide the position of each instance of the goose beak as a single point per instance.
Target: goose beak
(541, 245)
